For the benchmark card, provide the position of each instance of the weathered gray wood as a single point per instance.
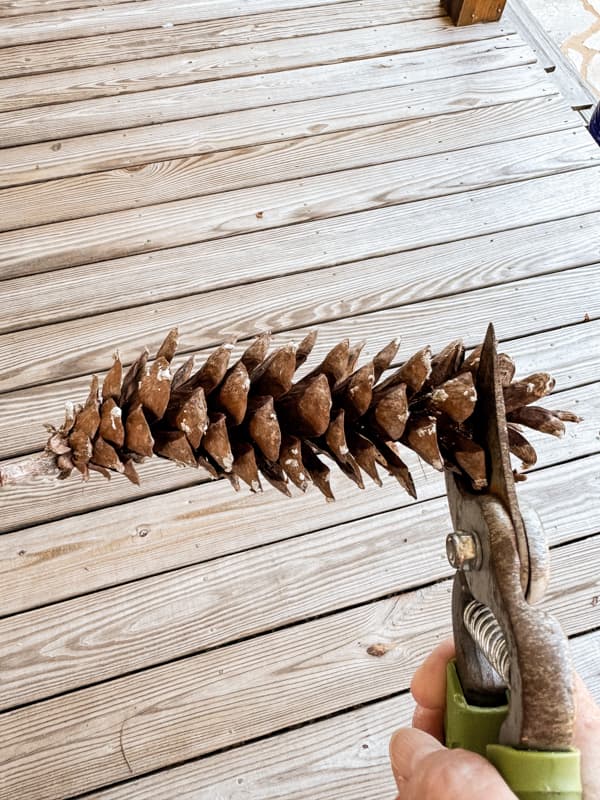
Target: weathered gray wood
(124, 542)
(193, 269)
(253, 91)
(559, 245)
(115, 48)
(199, 704)
(412, 105)
(179, 613)
(570, 353)
(586, 652)
(247, 59)
(154, 604)
(15, 8)
(22, 414)
(97, 736)
(345, 756)
(54, 122)
(91, 345)
(47, 27)
(57, 501)
(347, 199)
(176, 179)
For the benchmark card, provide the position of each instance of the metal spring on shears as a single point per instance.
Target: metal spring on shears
(487, 634)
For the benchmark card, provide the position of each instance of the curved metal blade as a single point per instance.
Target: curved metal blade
(492, 434)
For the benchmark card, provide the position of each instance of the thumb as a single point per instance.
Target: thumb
(425, 770)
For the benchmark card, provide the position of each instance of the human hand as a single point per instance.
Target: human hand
(425, 770)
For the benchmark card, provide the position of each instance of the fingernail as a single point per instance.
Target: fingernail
(402, 751)
(407, 748)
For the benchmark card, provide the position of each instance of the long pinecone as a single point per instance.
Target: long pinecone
(251, 419)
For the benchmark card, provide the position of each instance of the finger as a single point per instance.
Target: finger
(425, 770)
(587, 739)
(429, 720)
(407, 749)
(428, 685)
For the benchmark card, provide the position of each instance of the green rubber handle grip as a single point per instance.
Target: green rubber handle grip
(530, 774)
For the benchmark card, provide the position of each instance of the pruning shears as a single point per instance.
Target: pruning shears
(510, 694)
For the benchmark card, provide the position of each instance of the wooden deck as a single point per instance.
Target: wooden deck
(361, 167)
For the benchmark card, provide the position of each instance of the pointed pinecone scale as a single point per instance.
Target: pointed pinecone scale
(252, 417)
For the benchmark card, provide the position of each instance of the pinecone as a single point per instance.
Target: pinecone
(251, 419)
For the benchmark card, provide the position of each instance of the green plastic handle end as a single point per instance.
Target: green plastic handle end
(531, 774)
(469, 727)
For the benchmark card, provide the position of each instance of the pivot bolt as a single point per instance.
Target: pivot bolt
(463, 551)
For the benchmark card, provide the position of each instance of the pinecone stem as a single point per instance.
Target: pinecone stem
(36, 466)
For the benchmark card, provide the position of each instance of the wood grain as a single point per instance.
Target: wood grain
(466, 12)
(14, 8)
(23, 413)
(130, 579)
(41, 502)
(133, 16)
(131, 627)
(56, 560)
(181, 710)
(176, 179)
(586, 655)
(345, 756)
(82, 347)
(412, 105)
(115, 48)
(53, 122)
(137, 625)
(201, 65)
(105, 547)
(576, 92)
(206, 267)
(347, 199)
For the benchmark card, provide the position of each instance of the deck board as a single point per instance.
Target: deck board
(218, 698)
(209, 65)
(15, 8)
(203, 272)
(75, 347)
(66, 120)
(260, 164)
(359, 167)
(404, 192)
(58, 560)
(344, 756)
(175, 614)
(45, 501)
(135, 16)
(272, 123)
(129, 46)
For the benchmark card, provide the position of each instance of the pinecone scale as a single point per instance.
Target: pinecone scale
(252, 420)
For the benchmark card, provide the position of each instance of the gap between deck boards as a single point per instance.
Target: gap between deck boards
(345, 754)
(170, 712)
(202, 607)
